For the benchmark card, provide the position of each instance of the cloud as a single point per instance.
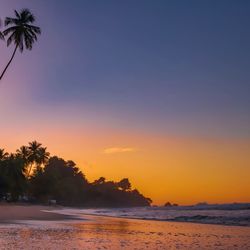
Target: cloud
(118, 150)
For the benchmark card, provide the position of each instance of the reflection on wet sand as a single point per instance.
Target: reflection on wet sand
(115, 233)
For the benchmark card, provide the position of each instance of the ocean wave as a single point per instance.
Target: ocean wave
(222, 220)
(235, 217)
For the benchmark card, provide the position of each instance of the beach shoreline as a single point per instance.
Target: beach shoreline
(14, 212)
(26, 211)
(46, 227)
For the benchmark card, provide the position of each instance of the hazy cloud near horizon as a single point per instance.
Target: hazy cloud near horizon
(116, 150)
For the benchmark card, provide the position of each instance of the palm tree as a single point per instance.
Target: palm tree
(21, 32)
(34, 149)
(3, 154)
(38, 155)
(43, 156)
(23, 152)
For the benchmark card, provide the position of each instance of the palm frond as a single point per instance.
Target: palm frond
(32, 34)
(35, 29)
(17, 14)
(8, 30)
(10, 20)
(27, 16)
(12, 38)
(28, 41)
(21, 33)
(1, 36)
(34, 145)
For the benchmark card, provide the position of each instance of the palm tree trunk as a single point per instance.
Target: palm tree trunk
(9, 62)
(31, 165)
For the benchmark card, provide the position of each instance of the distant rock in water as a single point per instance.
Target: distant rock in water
(168, 204)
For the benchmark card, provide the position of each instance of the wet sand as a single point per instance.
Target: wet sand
(97, 232)
(28, 212)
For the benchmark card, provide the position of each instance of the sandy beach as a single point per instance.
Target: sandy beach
(28, 212)
(30, 228)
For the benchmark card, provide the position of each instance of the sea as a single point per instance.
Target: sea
(234, 214)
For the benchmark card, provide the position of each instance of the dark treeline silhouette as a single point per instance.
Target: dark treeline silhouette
(32, 175)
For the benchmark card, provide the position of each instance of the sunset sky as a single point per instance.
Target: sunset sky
(156, 91)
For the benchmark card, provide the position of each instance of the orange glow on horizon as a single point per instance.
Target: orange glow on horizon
(166, 168)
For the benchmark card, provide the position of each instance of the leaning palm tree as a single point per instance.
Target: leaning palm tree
(21, 32)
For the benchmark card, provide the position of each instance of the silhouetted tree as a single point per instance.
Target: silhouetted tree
(99, 181)
(63, 180)
(55, 178)
(37, 155)
(12, 176)
(3, 154)
(23, 152)
(21, 32)
(33, 155)
(104, 193)
(124, 184)
(42, 156)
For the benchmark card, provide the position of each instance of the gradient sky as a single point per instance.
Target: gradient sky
(157, 91)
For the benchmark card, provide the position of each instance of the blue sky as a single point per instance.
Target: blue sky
(178, 66)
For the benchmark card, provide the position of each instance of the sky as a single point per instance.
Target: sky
(156, 91)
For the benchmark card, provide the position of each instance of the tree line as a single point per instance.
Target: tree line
(31, 174)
